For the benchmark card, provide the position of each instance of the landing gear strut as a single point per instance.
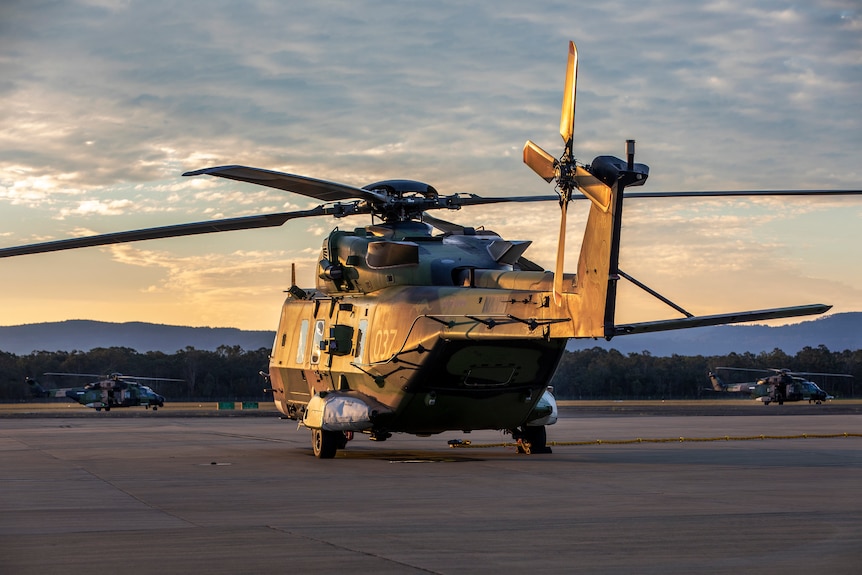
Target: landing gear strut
(531, 439)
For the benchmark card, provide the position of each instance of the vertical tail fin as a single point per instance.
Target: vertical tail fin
(717, 384)
(592, 304)
(36, 389)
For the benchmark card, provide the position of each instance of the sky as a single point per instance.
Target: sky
(106, 103)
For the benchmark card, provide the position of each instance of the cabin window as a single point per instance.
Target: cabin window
(392, 254)
(303, 340)
(340, 340)
(319, 329)
(360, 339)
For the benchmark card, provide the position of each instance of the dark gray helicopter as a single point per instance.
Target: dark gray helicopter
(108, 391)
(781, 386)
(412, 331)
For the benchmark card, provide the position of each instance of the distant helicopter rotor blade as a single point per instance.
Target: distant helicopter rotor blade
(540, 161)
(567, 116)
(322, 190)
(136, 377)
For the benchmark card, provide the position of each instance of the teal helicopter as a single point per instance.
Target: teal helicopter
(782, 385)
(107, 392)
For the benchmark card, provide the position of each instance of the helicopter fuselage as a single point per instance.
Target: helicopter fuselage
(784, 388)
(461, 342)
(108, 394)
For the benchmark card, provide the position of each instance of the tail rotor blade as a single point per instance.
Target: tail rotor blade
(561, 255)
(567, 116)
(540, 161)
(593, 188)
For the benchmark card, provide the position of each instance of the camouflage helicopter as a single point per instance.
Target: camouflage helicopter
(112, 390)
(782, 386)
(412, 331)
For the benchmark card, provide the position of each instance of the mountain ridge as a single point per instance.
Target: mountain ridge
(837, 332)
(84, 335)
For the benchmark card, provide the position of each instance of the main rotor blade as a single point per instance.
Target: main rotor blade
(567, 116)
(722, 193)
(212, 226)
(595, 190)
(721, 319)
(322, 190)
(454, 201)
(742, 193)
(540, 161)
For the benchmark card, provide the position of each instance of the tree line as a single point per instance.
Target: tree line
(608, 374)
(228, 373)
(231, 373)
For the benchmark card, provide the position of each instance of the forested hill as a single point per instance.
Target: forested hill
(836, 332)
(84, 335)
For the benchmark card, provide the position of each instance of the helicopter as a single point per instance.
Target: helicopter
(782, 386)
(419, 325)
(112, 390)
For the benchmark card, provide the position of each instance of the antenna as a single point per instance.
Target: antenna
(293, 290)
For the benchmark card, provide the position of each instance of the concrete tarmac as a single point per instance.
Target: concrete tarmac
(161, 493)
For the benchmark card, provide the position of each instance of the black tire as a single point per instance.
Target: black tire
(324, 443)
(537, 437)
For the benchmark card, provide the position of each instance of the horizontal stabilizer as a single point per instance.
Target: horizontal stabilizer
(707, 320)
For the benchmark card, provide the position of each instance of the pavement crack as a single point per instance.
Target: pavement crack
(136, 498)
(351, 550)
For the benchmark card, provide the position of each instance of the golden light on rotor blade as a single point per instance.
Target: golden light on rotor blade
(567, 116)
(540, 161)
(561, 255)
(596, 190)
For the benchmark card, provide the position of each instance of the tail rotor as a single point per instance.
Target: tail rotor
(565, 171)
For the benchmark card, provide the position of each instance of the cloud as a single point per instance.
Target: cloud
(101, 208)
(107, 103)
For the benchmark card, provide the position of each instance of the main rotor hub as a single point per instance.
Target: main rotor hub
(403, 200)
(400, 188)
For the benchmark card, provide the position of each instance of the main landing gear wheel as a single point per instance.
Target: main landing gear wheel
(326, 443)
